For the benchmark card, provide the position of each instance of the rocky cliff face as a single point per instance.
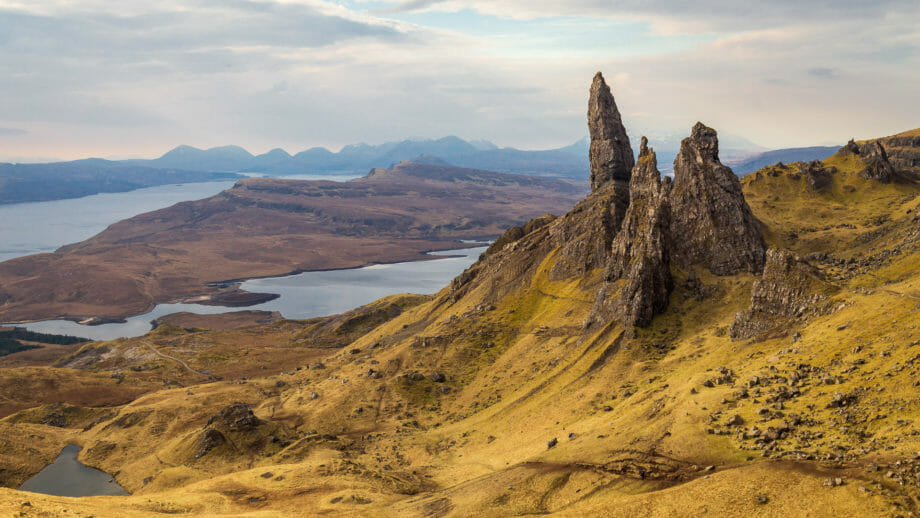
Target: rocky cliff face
(904, 152)
(715, 224)
(610, 154)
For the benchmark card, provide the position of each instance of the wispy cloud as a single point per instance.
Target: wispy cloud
(12, 132)
(823, 72)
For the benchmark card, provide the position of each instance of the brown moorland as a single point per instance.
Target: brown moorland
(270, 227)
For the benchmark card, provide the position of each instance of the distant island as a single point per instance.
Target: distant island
(21, 183)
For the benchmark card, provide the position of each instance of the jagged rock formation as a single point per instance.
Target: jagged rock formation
(610, 154)
(789, 289)
(715, 224)
(876, 159)
(877, 165)
(588, 231)
(634, 225)
(639, 256)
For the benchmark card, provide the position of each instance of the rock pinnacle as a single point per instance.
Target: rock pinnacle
(611, 156)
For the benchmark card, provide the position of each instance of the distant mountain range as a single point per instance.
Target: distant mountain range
(796, 154)
(570, 161)
(186, 164)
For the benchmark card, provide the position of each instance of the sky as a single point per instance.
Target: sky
(135, 78)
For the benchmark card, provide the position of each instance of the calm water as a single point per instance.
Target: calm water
(67, 476)
(306, 295)
(32, 228)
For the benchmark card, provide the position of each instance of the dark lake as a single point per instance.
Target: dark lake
(67, 476)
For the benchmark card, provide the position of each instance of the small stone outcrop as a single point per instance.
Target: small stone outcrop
(611, 156)
(817, 176)
(790, 289)
(235, 430)
(851, 148)
(716, 227)
(236, 417)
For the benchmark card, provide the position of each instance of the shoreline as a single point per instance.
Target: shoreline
(122, 318)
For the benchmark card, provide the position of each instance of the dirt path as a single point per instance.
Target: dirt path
(173, 358)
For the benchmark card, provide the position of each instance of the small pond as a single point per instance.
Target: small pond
(67, 476)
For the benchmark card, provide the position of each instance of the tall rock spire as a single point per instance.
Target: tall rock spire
(611, 157)
(640, 252)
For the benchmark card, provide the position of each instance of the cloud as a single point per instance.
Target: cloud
(409, 6)
(682, 16)
(823, 72)
(100, 75)
(12, 132)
